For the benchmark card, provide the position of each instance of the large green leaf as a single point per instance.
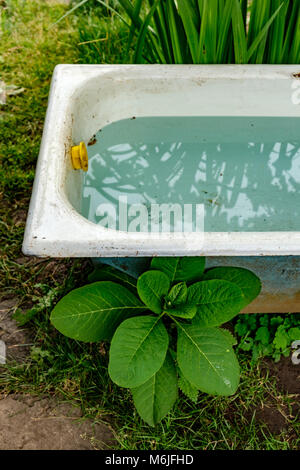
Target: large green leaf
(138, 350)
(93, 312)
(180, 269)
(207, 360)
(155, 398)
(187, 388)
(218, 301)
(245, 279)
(229, 336)
(152, 286)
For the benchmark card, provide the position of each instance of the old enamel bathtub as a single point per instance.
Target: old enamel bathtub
(223, 139)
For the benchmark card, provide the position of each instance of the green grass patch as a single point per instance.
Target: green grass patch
(58, 366)
(29, 50)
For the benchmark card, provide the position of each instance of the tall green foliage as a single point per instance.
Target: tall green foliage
(206, 31)
(214, 31)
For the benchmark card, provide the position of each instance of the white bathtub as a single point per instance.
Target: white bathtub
(86, 98)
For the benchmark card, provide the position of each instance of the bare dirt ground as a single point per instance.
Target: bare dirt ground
(287, 374)
(275, 415)
(32, 423)
(28, 423)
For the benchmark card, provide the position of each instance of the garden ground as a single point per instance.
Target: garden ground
(52, 379)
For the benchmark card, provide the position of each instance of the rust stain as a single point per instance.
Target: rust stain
(124, 266)
(296, 75)
(280, 277)
(92, 141)
(274, 303)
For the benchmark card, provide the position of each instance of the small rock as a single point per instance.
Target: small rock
(2, 352)
(17, 339)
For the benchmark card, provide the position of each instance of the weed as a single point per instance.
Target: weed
(267, 335)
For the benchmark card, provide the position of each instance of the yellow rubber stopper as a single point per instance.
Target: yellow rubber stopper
(79, 156)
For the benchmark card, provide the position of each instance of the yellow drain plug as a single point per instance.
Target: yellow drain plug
(80, 157)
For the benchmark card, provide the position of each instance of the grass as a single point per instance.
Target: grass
(210, 31)
(77, 373)
(101, 41)
(58, 366)
(29, 50)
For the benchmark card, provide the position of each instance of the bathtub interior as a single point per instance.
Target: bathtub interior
(218, 142)
(244, 170)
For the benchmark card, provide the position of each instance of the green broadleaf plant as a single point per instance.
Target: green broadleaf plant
(175, 295)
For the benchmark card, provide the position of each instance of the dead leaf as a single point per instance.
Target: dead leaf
(8, 90)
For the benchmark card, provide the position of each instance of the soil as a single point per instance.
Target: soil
(287, 374)
(32, 423)
(277, 416)
(28, 423)
(18, 340)
(276, 419)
